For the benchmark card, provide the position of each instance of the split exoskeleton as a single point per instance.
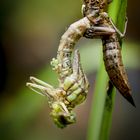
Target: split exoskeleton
(73, 83)
(111, 46)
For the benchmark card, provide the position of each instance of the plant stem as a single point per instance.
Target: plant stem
(102, 106)
(97, 105)
(107, 113)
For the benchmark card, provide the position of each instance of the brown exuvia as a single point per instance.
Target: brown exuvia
(114, 66)
(103, 27)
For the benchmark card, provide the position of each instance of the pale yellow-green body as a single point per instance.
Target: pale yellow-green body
(73, 84)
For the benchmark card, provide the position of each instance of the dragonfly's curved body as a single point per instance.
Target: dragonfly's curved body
(62, 64)
(71, 76)
(73, 84)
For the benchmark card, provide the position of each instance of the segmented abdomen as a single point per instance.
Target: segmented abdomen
(114, 65)
(66, 46)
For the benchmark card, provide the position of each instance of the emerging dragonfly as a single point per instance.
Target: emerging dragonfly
(73, 83)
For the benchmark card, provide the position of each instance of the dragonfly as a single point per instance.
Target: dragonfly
(73, 83)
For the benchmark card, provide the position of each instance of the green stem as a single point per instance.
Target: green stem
(97, 105)
(107, 113)
(102, 106)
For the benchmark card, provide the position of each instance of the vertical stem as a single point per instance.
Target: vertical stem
(102, 106)
(97, 105)
(107, 113)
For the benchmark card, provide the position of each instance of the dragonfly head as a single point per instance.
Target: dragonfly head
(61, 116)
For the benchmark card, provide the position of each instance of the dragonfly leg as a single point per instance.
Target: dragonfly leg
(41, 87)
(117, 30)
(105, 16)
(98, 31)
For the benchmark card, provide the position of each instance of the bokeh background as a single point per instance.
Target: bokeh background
(30, 31)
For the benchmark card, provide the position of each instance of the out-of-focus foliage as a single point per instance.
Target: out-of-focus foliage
(29, 37)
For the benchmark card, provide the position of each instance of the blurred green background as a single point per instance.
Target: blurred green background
(30, 31)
